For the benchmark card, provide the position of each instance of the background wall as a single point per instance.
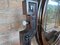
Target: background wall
(11, 17)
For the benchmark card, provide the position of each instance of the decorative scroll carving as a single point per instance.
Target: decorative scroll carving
(31, 18)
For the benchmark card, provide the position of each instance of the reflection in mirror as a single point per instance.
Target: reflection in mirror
(52, 21)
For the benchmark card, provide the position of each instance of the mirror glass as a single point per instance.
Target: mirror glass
(52, 18)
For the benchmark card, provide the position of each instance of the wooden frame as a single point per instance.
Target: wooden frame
(31, 7)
